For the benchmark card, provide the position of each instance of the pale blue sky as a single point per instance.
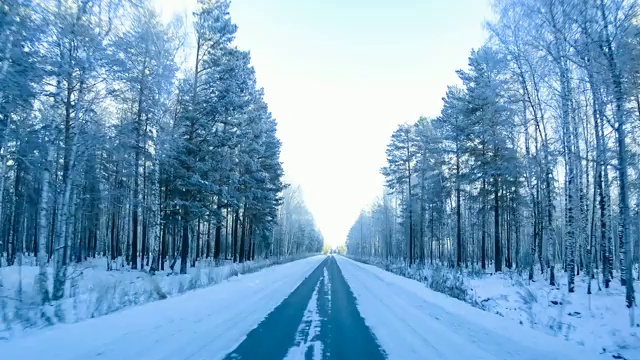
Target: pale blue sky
(339, 76)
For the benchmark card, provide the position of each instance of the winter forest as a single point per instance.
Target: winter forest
(533, 164)
(139, 160)
(136, 145)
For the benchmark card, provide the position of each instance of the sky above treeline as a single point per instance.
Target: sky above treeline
(340, 75)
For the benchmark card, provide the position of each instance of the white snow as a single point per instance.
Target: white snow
(92, 291)
(202, 324)
(327, 288)
(308, 329)
(411, 321)
(600, 320)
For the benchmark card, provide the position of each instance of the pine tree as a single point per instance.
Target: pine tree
(401, 157)
(489, 123)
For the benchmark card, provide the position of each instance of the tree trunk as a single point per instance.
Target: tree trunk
(43, 210)
(626, 271)
(217, 241)
(62, 243)
(208, 247)
(234, 249)
(496, 224)
(508, 233)
(483, 235)
(196, 256)
(459, 216)
(154, 217)
(184, 251)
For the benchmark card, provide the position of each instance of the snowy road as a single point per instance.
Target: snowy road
(319, 320)
(316, 308)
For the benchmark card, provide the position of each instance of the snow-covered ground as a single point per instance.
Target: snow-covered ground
(205, 323)
(411, 320)
(600, 320)
(92, 291)
(408, 319)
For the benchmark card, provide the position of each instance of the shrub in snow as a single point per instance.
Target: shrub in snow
(475, 273)
(439, 278)
(528, 299)
(449, 282)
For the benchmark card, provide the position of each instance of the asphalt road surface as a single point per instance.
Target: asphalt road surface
(319, 320)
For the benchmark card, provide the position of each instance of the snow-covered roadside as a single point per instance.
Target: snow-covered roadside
(411, 320)
(206, 323)
(600, 320)
(603, 325)
(92, 291)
